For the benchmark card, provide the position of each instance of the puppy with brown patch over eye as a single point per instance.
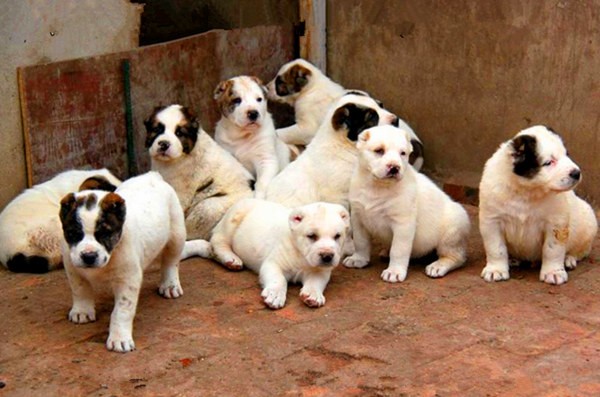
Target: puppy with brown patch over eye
(208, 179)
(528, 210)
(111, 238)
(246, 130)
(303, 245)
(30, 232)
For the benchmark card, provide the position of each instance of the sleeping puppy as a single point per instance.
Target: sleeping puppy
(322, 172)
(30, 232)
(393, 204)
(528, 210)
(208, 180)
(111, 238)
(296, 245)
(246, 130)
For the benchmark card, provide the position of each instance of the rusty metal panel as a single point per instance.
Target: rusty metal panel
(74, 111)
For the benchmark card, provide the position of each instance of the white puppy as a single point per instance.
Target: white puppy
(397, 206)
(246, 130)
(208, 179)
(111, 238)
(30, 232)
(298, 245)
(528, 208)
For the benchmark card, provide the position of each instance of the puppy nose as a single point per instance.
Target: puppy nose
(393, 170)
(89, 258)
(326, 257)
(575, 174)
(163, 146)
(252, 115)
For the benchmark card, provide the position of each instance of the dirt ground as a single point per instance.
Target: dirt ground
(456, 336)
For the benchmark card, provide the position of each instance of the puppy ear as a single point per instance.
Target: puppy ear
(363, 138)
(524, 153)
(97, 182)
(299, 75)
(149, 123)
(222, 87)
(345, 215)
(295, 219)
(409, 140)
(67, 205)
(114, 204)
(354, 119)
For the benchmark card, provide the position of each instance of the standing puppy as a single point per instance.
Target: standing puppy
(527, 207)
(394, 204)
(246, 130)
(298, 245)
(111, 238)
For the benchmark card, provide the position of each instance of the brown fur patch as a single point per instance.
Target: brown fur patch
(224, 96)
(97, 182)
(109, 225)
(292, 81)
(561, 235)
(187, 130)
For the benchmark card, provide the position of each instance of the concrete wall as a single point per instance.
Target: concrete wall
(37, 31)
(469, 74)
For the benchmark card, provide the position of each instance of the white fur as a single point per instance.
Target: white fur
(29, 224)
(538, 218)
(153, 231)
(394, 205)
(253, 142)
(288, 247)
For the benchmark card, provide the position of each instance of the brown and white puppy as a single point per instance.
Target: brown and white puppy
(208, 179)
(246, 130)
(111, 238)
(528, 210)
(30, 232)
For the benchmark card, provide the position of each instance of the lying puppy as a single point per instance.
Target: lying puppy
(527, 207)
(111, 238)
(246, 130)
(30, 232)
(397, 206)
(322, 172)
(298, 245)
(208, 180)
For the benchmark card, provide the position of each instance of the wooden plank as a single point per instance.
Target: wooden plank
(313, 45)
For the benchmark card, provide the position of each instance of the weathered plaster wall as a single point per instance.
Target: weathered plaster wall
(469, 74)
(36, 31)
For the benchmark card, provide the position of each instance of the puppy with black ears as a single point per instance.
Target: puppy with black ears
(111, 238)
(528, 210)
(246, 130)
(404, 210)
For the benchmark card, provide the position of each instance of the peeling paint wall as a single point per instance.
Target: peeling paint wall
(469, 74)
(34, 32)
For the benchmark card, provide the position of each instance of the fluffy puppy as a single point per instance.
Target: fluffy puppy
(208, 179)
(30, 232)
(111, 238)
(528, 210)
(322, 172)
(246, 130)
(397, 206)
(298, 245)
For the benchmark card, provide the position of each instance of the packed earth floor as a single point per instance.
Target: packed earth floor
(455, 336)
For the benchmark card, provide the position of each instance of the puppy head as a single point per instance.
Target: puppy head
(540, 160)
(242, 100)
(92, 223)
(291, 80)
(384, 151)
(171, 132)
(319, 231)
(354, 113)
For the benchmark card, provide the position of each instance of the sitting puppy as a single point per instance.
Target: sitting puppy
(30, 232)
(298, 245)
(111, 238)
(322, 172)
(208, 180)
(397, 206)
(527, 207)
(246, 130)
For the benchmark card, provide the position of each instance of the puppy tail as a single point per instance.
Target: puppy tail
(28, 264)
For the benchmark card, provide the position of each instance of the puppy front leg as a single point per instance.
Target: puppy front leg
(83, 310)
(402, 240)
(274, 285)
(266, 170)
(313, 285)
(293, 135)
(126, 290)
(362, 242)
(496, 268)
(553, 255)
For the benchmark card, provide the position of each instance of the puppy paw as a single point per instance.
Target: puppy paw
(274, 298)
(394, 275)
(355, 261)
(494, 273)
(570, 262)
(170, 290)
(120, 344)
(555, 276)
(233, 263)
(81, 316)
(312, 298)
(436, 269)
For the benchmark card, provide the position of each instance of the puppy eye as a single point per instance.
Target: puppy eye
(379, 151)
(236, 101)
(259, 99)
(312, 237)
(549, 163)
(402, 153)
(337, 236)
(178, 133)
